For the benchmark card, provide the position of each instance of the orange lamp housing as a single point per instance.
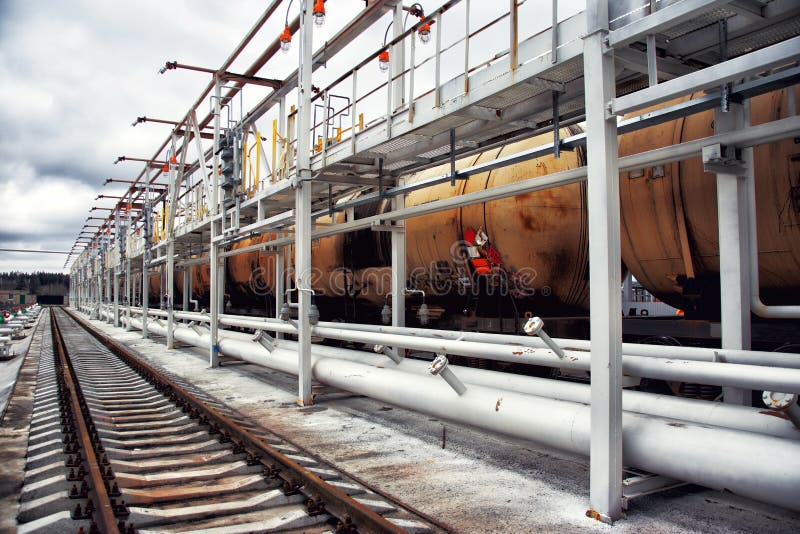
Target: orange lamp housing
(383, 61)
(286, 39)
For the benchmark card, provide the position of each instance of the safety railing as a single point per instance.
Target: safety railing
(469, 46)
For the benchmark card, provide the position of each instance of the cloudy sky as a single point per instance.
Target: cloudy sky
(74, 74)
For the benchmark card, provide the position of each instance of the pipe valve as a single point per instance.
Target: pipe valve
(197, 329)
(286, 312)
(533, 327)
(439, 366)
(265, 340)
(313, 314)
(777, 400)
(388, 351)
(423, 314)
(784, 402)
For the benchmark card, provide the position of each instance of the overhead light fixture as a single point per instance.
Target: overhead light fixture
(424, 33)
(383, 61)
(319, 12)
(286, 39)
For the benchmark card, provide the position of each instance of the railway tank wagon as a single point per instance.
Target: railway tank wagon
(504, 257)
(669, 215)
(484, 263)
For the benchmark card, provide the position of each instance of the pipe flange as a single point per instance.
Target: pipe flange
(438, 365)
(777, 400)
(533, 326)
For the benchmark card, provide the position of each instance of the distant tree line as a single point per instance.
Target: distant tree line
(36, 283)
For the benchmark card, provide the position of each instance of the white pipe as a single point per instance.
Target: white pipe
(746, 357)
(736, 375)
(756, 305)
(723, 374)
(761, 467)
(689, 410)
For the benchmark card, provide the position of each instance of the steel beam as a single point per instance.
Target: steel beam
(214, 289)
(169, 292)
(605, 276)
(187, 272)
(740, 67)
(663, 19)
(733, 254)
(280, 281)
(399, 274)
(302, 238)
(144, 288)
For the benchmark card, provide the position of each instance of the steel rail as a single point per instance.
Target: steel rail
(107, 521)
(346, 509)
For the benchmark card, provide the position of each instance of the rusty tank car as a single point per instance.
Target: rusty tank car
(669, 215)
(529, 253)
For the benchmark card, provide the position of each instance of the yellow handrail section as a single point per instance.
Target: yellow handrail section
(251, 168)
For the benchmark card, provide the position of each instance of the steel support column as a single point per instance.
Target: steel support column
(187, 271)
(98, 301)
(170, 290)
(732, 208)
(302, 258)
(145, 287)
(399, 264)
(116, 297)
(214, 289)
(605, 279)
(399, 201)
(109, 274)
(398, 59)
(280, 282)
(127, 288)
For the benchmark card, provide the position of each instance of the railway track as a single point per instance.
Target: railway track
(116, 445)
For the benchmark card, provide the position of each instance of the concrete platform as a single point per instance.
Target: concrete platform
(9, 369)
(471, 480)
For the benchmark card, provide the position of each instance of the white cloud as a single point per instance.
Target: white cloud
(73, 76)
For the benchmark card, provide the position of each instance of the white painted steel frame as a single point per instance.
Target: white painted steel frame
(734, 254)
(662, 19)
(302, 236)
(777, 55)
(605, 270)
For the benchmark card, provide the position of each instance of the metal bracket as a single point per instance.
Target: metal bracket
(556, 133)
(723, 159)
(646, 484)
(725, 89)
(380, 177)
(377, 226)
(453, 172)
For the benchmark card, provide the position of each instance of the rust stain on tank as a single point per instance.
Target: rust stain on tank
(497, 405)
